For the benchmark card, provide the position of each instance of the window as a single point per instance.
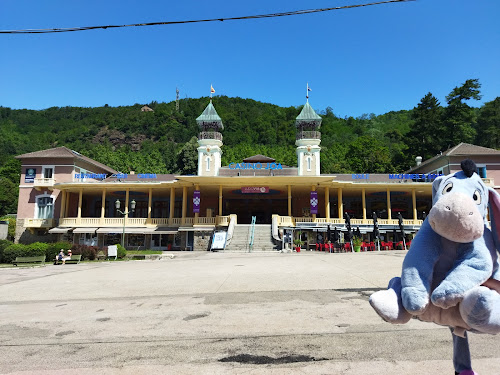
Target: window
(44, 207)
(48, 172)
(208, 160)
(481, 170)
(309, 162)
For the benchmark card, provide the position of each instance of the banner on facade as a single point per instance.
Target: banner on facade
(30, 175)
(314, 202)
(196, 201)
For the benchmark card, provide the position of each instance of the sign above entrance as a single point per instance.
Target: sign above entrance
(255, 190)
(255, 166)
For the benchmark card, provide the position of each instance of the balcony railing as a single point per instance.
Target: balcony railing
(308, 135)
(43, 182)
(39, 223)
(210, 135)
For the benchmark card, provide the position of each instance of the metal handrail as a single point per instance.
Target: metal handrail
(252, 233)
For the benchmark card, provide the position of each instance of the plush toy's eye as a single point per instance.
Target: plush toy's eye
(477, 197)
(448, 188)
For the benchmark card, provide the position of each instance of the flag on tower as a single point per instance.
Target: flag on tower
(212, 90)
(308, 88)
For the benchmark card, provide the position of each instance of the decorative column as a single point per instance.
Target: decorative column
(127, 193)
(103, 205)
(63, 203)
(80, 198)
(184, 204)
(220, 200)
(414, 202)
(327, 202)
(150, 203)
(290, 200)
(172, 205)
(340, 203)
(363, 199)
(389, 214)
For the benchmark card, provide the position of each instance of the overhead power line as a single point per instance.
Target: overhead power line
(270, 15)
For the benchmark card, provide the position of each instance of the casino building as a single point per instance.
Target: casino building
(258, 202)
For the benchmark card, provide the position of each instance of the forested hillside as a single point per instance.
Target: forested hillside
(164, 141)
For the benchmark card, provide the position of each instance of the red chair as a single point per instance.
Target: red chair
(372, 246)
(347, 246)
(317, 246)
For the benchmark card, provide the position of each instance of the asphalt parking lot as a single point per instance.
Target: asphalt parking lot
(218, 313)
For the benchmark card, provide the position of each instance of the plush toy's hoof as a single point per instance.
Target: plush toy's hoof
(388, 304)
(481, 310)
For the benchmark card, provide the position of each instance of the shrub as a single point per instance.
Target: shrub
(121, 252)
(87, 252)
(38, 247)
(20, 250)
(54, 248)
(3, 245)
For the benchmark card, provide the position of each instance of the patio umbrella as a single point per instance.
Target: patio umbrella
(376, 233)
(347, 219)
(402, 228)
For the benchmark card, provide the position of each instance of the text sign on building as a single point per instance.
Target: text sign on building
(314, 202)
(255, 190)
(196, 201)
(30, 175)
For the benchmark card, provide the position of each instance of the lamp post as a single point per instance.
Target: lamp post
(125, 214)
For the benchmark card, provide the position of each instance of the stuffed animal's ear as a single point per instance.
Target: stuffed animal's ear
(494, 203)
(435, 186)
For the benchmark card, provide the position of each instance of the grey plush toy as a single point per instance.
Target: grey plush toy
(453, 254)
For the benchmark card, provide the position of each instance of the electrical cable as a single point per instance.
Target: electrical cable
(270, 15)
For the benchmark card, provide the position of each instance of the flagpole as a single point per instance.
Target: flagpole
(307, 91)
(211, 92)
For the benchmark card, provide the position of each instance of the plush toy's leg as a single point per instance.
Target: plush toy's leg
(461, 354)
(480, 309)
(388, 303)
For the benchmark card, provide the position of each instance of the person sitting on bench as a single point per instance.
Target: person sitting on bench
(61, 257)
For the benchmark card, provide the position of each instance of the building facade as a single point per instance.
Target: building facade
(64, 195)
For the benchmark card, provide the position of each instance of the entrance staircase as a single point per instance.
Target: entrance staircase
(241, 238)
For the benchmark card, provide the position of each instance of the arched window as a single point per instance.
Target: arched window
(309, 163)
(44, 207)
(208, 161)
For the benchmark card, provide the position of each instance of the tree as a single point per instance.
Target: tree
(187, 158)
(458, 116)
(368, 155)
(9, 192)
(421, 139)
(488, 125)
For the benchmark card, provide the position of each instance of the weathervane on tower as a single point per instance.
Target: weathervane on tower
(307, 92)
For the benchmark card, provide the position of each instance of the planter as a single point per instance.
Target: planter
(357, 248)
(297, 249)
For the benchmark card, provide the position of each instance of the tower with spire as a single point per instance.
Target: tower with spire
(209, 141)
(308, 139)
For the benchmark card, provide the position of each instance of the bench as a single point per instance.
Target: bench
(29, 260)
(74, 259)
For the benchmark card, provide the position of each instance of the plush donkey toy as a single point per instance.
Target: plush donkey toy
(452, 255)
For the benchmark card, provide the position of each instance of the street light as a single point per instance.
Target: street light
(125, 214)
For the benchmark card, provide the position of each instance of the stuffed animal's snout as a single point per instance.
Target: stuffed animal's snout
(456, 217)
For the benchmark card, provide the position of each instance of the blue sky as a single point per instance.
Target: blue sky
(365, 60)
